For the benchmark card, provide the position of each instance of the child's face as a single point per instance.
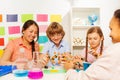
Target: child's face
(94, 40)
(115, 30)
(30, 33)
(56, 38)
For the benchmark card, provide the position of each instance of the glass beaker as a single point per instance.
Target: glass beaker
(20, 66)
(35, 71)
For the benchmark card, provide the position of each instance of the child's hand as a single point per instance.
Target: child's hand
(61, 59)
(44, 59)
(79, 57)
(68, 65)
(78, 62)
(48, 57)
(94, 53)
(65, 57)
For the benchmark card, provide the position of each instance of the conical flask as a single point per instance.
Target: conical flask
(35, 71)
(20, 66)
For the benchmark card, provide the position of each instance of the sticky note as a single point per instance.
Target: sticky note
(12, 18)
(1, 53)
(41, 48)
(2, 31)
(43, 28)
(46, 71)
(1, 41)
(53, 70)
(55, 18)
(25, 17)
(1, 18)
(11, 38)
(42, 17)
(14, 29)
(42, 39)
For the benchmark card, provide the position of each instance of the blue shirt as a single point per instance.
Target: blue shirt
(50, 48)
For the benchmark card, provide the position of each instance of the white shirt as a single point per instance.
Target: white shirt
(107, 67)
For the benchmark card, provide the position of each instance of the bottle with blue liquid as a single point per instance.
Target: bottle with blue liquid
(20, 66)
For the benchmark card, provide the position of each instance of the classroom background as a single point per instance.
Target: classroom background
(13, 13)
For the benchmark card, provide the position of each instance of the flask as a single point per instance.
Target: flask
(35, 71)
(20, 66)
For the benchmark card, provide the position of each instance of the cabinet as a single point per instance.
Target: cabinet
(80, 23)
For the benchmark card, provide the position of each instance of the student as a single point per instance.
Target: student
(28, 41)
(105, 67)
(95, 41)
(56, 46)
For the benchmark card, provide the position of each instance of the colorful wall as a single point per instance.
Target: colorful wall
(14, 13)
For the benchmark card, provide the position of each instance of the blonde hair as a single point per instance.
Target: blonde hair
(54, 28)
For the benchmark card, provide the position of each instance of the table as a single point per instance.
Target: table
(52, 76)
(49, 74)
(56, 73)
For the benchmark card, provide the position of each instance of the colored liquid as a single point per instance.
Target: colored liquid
(20, 73)
(85, 65)
(35, 74)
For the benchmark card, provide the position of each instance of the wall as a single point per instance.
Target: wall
(107, 7)
(58, 7)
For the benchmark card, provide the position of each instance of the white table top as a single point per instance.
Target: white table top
(52, 76)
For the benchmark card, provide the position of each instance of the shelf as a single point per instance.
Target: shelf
(80, 15)
(80, 23)
(83, 26)
(78, 45)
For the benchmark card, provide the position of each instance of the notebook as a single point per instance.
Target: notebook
(5, 69)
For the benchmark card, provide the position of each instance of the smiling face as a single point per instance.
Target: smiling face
(30, 33)
(115, 30)
(56, 38)
(55, 33)
(94, 40)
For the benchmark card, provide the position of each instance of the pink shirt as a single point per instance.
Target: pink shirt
(16, 44)
(90, 57)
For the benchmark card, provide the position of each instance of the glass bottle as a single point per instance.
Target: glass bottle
(35, 71)
(20, 66)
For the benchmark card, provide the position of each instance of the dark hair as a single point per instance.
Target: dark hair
(26, 25)
(53, 28)
(117, 15)
(97, 30)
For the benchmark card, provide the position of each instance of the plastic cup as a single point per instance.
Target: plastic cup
(86, 65)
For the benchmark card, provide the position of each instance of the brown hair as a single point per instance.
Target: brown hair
(91, 30)
(54, 28)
